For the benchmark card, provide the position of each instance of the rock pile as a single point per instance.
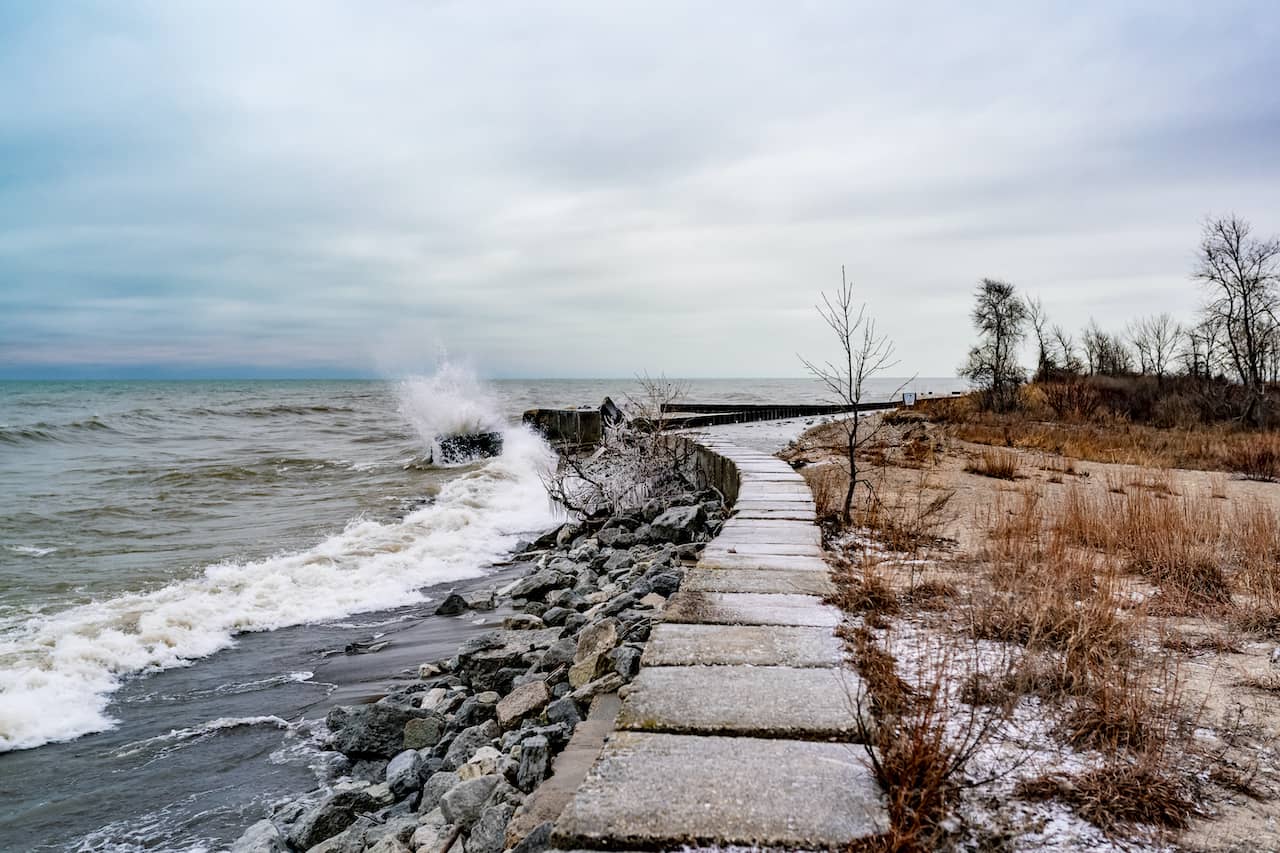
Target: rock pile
(447, 760)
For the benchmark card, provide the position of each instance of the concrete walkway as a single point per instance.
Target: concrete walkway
(741, 727)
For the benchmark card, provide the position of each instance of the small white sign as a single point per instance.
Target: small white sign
(908, 398)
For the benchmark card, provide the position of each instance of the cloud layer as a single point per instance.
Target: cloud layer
(597, 189)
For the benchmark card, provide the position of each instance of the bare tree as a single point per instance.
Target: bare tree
(1105, 353)
(1044, 355)
(1242, 274)
(1000, 318)
(1155, 339)
(1067, 356)
(864, 353)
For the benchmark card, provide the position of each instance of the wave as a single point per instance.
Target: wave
(42, 431)
(162, 743)
(59, 670)
(30, 550)
(449, 402)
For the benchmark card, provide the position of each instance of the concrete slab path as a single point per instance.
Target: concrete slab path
(742, 725)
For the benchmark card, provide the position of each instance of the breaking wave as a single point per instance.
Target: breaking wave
(58, 671)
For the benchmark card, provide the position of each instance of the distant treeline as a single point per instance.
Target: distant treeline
(1226, 365)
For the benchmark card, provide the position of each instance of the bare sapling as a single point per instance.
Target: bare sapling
(864, 354)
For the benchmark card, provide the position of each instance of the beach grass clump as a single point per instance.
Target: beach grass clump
(993, 462)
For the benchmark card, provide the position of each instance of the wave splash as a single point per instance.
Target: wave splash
(58, 671)
(449, 402)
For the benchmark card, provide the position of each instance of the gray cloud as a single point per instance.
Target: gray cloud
(580, 189)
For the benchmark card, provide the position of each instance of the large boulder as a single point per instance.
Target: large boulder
(372, 730)
(330, 816)
(679, 524)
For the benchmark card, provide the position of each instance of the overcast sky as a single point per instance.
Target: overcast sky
(596, 189)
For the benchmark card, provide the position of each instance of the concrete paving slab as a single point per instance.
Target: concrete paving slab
(719, 549)
(795, 502)
(741, 645)
(756, 561)
(758, 580)
(738, 608)
(769, 531)
(799, 513)
(661, 790)
(804, 703)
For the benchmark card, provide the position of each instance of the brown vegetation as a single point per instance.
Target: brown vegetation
(1087, 580)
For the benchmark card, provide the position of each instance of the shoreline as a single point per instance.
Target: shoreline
(504, 702)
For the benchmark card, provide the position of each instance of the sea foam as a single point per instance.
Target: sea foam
(58, 671)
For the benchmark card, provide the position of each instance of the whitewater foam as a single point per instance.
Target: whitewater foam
(452, 401)
(60, 670)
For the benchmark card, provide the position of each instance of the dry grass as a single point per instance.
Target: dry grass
(1099, 437)
(999, 464)
(1256, 457)
(1120, 794)
(909, 523)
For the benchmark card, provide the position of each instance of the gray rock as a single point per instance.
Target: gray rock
(535, 758)
(489, 833)
(526, 699)
(468, 741)
(619, 560)
(463, 802)
(389, 844)
(538, 839)
(404, 773)
(482, 600)
(665, 583)
(560, 654)
(523, 622)
(597, 639)
(609, 536)
(453, 605)
(555, 616)
(372, 730)
(536, 584)
(436, 787)
(606, 684)
(652, 509)
(626, 661)
(563, 711)
(330, 816)
(680, 523)
(423, 732)
(261, 837)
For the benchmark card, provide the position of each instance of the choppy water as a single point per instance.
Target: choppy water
(178, 559)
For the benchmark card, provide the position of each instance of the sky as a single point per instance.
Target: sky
(600, 189)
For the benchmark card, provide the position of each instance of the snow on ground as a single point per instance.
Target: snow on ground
(1018, 747)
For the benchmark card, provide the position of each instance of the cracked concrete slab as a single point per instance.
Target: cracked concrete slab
(758, 580)
(795, 563)
(736, 608)
(806, 703)
(736, 645)
(719, 550)
(662, 790)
